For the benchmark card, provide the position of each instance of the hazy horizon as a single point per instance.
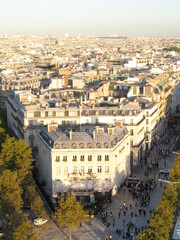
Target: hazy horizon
(94, 18)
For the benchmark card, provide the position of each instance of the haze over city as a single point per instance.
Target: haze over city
(90, 120)
(91, 17)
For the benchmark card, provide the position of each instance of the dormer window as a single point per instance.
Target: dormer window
(74, 146)
(64, 146)
(106, 145)
(81, 145)
(57, 146)
(98, 145)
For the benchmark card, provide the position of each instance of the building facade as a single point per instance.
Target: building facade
(83, 162)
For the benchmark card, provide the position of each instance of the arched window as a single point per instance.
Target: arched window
(89, 145)
(73, 145)
(81, 145)
(98, 145)
(57, 145)
(64, 146)
(106, 145)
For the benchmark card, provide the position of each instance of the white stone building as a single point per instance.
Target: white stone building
(28, 114)
(83, 162)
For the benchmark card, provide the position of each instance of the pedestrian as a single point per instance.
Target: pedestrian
(113, 222)
(132, 214)
(106, 238)
(119, 214)
(110, 237)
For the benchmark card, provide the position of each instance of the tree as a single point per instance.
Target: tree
(70, 213)
(38, 206)
(10, 192)
(25, 231)
(146, 235)
(2, 134)
(16, 156)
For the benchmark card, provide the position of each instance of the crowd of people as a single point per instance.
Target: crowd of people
(140, 193)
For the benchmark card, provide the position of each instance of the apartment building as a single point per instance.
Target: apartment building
(83, 162)
(27, 114)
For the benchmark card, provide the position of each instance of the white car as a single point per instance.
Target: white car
(40, 221)
(166, 170)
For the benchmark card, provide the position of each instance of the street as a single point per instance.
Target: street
(126, 222)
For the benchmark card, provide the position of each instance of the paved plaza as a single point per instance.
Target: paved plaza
(98, 228)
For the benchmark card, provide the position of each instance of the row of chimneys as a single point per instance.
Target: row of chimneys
(110, 129)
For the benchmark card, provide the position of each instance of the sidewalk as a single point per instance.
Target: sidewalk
(98, 229)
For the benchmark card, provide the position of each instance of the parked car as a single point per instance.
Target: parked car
(39, 221)
(27, 205)
(166, 170)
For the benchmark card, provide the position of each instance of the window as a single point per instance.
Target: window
(37, 114)
(89, 158)
(74, 158)
(131, 132)
(74, 146)
(83, 169)
(141, 90)
(65, 169)
(106, 157)
(57, 158)
(106, 145)
(131, 143)
(64, 146)
(99, 157)
(99, 169)
(64, 158)
(106, 169)
(82, 158)
(147, 121)
(89, 145)
(75, 169)
(58, 170)
(90, 169)
(98, 145)
(81, 145)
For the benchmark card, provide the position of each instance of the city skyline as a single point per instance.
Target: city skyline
(93, 18)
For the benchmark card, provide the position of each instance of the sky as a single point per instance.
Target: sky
(91, 17)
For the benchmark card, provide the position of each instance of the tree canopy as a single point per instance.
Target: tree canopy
(162, 218)
(70, 213)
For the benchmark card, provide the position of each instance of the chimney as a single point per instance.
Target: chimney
(117, 123)
(94, 134)
(70, 134)
(99, 129)
(80, 108)
(111, 130)
(52, 127)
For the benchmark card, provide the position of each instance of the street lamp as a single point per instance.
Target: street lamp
(123, 228)
(136, 209)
